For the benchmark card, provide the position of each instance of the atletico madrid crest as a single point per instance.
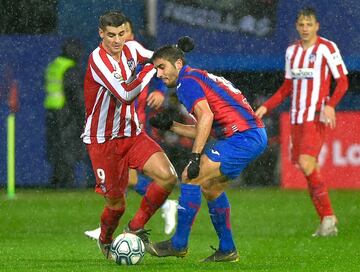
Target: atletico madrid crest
(131, 64)
(312, 58)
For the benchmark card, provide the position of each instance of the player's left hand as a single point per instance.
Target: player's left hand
(155, 100)
(193, 167)
(329, 117)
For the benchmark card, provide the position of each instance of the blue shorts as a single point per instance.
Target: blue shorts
(236, 152)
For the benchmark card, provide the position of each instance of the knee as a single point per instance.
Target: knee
(209, 192)
(306, 166)
(115, 203)
(167, 177)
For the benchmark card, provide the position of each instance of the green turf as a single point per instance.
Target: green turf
(42, 230)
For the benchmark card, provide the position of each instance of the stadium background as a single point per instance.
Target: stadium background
(248, 52)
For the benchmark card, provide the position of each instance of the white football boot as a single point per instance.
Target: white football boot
(168, 212)
(327, 227)
(93, 234)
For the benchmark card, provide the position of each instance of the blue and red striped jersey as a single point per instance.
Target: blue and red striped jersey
(231, 110)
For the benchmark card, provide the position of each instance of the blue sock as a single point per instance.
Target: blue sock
(219, 210)
(142, 184)
(189, 205)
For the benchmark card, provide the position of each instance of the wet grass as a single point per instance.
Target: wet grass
(42, 230)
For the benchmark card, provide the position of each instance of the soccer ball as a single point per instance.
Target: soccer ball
(127, 249)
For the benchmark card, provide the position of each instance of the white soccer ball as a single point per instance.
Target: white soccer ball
(127, 249)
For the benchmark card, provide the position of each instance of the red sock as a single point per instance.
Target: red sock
(319, 194)
(109, 222)
(154, 197)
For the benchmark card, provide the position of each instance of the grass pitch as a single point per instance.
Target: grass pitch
(42, 230)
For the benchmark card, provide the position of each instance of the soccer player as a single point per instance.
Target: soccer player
(240, 137)
(310, 65)
(112, 133)
(153, 97)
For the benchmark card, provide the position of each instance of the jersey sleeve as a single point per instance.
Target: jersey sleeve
(339, 72)
(190, 93)
(106, 72)
(142, 54)
(335, 61)
(279, 96)
(287, 63)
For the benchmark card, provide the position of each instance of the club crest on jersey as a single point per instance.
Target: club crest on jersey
(131, 64)
(312, 58)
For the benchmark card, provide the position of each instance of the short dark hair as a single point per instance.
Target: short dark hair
(127, 20)
(170, 53)
(112, 18)
(306, 12)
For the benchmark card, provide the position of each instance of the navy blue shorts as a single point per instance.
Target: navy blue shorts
(236, 152)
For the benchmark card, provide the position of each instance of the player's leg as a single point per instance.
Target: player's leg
(142, 182)
(220, 214)
(168, 209)
(319, 196)
(109, 166)
(244, 147)
(133, 177)
(309, 146)
(189, 205)
(168, 213)
(148, 156)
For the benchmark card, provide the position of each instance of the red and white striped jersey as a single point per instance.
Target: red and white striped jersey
(308, 75)
(109, 90)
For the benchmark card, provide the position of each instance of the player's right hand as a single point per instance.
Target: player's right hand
(161, 121)
(261, 111)
(155, 100)
(193, 167)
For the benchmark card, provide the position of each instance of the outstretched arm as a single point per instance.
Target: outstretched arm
(279, 96)
(114, 76)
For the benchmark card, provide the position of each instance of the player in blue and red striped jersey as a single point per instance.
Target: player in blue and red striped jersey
(240, 137)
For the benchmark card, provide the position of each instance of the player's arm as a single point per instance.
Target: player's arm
(200, 132)
(276, 99)
(283, 92)
(103, 73)
(163, 121)
(339, 72)
(204, 117)
(184, 130)
(142, 54)
(156, 98)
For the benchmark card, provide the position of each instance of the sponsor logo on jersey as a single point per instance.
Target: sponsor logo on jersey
(302, 73)
(178, 86)
(117, 76)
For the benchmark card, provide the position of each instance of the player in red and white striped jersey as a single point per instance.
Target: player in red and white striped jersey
(114, 138)
(311, 64)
